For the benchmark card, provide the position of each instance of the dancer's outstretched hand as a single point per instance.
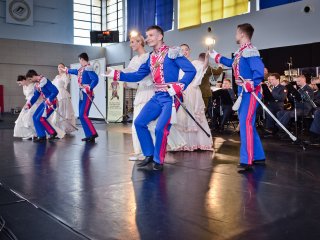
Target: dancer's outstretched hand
(214, 55)
(109, 73)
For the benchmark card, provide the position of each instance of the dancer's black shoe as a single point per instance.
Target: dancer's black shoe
(90, 139)
(146, 161)
(53, 136)
(244, 167)
(260, 162)
(40, 139)
(157, 166)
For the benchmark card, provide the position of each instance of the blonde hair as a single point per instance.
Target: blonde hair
(139, 38)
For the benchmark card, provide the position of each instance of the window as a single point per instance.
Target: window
(195, 12)
(87, 16)
(97, 15)
(114, 17)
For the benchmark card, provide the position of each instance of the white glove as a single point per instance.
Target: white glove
(171, 91)
(109, 73)
(175, 89)
(213, 53)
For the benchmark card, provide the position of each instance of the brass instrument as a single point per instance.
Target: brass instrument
(284, 80)
(287, 105)
(291, 73)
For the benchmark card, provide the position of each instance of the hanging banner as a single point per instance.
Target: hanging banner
(99, 91)
(19, 12)
(115, 98)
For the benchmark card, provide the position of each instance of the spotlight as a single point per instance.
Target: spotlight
(210, 41)
(133, 33)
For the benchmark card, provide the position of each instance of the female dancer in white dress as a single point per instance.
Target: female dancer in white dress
(192, 97)
(24, 126)
(145, 91)
(65, 120)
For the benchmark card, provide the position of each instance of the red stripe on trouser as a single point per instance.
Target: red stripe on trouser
(249, 129)
(46, 125)
(177, 103)
(163, 147)
(86, 118)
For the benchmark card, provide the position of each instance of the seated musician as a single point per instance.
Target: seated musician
(302, 105)
(224, 99)
(273, 99)
(315, 126)
(315, 85)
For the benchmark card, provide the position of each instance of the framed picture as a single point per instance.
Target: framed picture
(115, 97)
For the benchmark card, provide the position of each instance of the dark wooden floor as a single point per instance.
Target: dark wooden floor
(92, 190)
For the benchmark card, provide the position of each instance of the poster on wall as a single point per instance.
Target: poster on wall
(99, 91)
(19, 12)
(115, 98)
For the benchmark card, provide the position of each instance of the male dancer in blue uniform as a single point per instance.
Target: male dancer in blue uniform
(164, 64)
(248, 65)
(87, 80)
(45, 89)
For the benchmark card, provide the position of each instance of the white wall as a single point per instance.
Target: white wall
(53, 22)
(18, 56)
(274, 27)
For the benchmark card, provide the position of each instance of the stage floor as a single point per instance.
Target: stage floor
(94, 192)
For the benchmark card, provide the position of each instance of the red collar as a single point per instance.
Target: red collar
(245, 45)
(161, 49)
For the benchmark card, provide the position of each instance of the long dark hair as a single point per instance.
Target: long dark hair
(21, 78)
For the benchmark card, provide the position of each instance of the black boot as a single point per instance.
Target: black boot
(146, 161)
(40, 139)
(260, 162)
(244, 167)
(90, 139)
(53, 136)
(157, 166)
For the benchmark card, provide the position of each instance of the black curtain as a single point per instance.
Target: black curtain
(303, 56)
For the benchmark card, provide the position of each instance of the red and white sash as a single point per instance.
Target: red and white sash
(238, 54)
(156, 64)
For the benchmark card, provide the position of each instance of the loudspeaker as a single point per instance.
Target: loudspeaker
(306, 9)
(104, 36)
